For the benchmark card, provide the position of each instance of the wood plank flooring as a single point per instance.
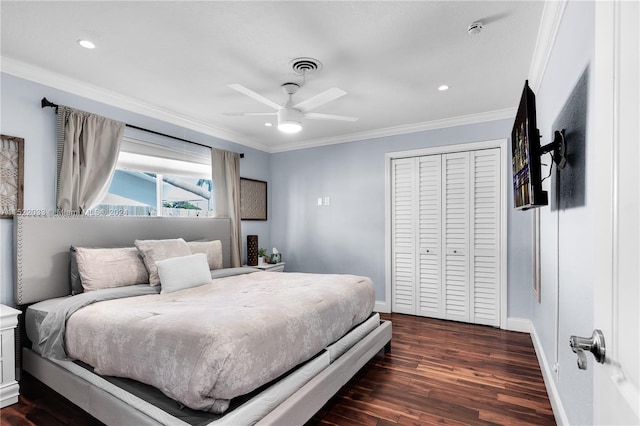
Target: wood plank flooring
(443, 372)
(438, 372)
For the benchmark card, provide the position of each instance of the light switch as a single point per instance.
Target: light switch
(319, 201)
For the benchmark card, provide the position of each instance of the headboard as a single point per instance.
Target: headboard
(41, 245)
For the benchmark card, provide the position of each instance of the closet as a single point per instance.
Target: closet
(445, 236)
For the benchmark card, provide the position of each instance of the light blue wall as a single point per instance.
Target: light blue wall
(22, 116)
(567, 235)
(348, 236)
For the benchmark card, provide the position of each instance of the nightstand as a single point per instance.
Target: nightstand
(271, 267)
(9, 388)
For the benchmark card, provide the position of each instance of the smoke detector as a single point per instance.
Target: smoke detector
(475, 28)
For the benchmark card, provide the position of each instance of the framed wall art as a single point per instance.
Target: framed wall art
(253, 199)
(11, 175)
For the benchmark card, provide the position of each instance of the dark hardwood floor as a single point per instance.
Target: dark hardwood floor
(443, 372)
(438, 372)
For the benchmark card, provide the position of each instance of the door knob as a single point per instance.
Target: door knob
(594, 344)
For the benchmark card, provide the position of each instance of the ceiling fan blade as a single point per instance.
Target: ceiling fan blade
(320, 99)
(241, 114)
(240, 88)
(320, 116)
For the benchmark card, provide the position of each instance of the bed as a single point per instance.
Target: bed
(288, 389)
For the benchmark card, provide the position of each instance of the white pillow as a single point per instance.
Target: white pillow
(178, 273)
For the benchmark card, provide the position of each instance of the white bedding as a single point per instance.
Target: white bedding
(205, 345)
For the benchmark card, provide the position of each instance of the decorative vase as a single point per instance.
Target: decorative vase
(252, 250)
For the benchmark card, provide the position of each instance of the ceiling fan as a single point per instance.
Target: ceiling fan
(290, 115)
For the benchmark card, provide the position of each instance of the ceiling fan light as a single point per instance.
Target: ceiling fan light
(290, 127)
(289, 120)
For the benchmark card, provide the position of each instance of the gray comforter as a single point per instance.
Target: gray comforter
(205, 345)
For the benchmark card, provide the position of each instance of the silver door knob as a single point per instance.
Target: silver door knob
(594, 344)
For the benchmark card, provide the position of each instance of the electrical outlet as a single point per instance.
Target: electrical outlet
(327, 201)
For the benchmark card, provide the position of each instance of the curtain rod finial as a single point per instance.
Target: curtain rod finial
(47, 103)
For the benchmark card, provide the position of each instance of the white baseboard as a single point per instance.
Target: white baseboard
(547, 375)
(519, 324)
(382, 307)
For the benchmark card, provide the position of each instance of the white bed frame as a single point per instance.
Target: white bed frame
(41, 272)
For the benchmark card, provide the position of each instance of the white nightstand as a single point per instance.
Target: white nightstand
(271, 267)
(9, 388)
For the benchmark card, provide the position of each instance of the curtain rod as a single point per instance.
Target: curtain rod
(47, 103)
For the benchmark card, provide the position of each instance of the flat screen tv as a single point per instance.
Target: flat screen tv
(525, 152)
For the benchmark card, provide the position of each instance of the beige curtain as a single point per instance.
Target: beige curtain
(226, 196)
(88, 147)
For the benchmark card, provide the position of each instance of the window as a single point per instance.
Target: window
(165, 178)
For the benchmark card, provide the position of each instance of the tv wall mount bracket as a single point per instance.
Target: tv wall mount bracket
(558, 147)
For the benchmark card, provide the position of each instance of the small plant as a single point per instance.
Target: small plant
(262, 252)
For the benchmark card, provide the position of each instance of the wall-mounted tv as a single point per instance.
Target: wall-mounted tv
(525, 152)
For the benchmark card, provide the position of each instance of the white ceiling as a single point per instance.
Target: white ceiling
(175, 59)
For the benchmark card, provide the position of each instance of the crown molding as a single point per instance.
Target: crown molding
(547, 32)
(80, 88)
(399, 130)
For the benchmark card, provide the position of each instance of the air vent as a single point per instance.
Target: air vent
(305, 65)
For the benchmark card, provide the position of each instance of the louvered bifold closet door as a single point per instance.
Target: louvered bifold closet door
(430, 236)
(403, 223)
(455, 216)
(485, 237)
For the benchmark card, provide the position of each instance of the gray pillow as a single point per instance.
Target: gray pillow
(213, 250)
(74, 276)
(155, 250)
(101, 268)
(178, 273)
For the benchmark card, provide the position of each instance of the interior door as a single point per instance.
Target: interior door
(403, 223)
(617, 295)
(430, 237)
(484, 257)
(455, 217)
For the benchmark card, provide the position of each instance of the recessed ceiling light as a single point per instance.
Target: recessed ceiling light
(268, 124)
(86, 44)
(443, 87)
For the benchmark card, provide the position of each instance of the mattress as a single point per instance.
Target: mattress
(207, 345)
(245, 410)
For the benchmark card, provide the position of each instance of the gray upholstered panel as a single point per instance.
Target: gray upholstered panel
(41, 245)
